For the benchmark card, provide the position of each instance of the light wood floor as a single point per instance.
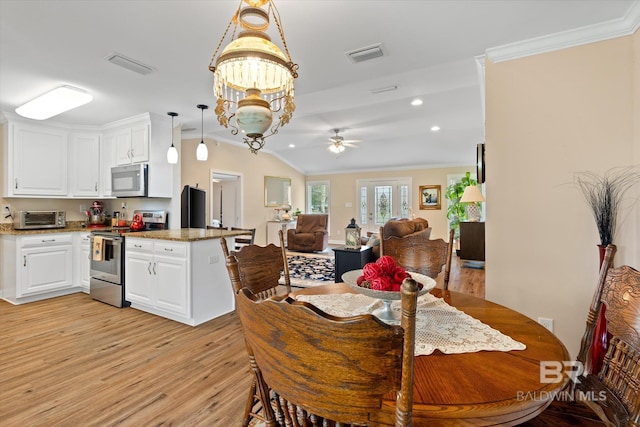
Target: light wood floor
(73, 361)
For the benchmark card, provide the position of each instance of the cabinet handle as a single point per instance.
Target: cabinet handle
(168, 249)
(48, 240)
(154, 269)
(137, 246)
(149, 268)
(16, 183)
(129, 153)
(24, 264)
(96, 187)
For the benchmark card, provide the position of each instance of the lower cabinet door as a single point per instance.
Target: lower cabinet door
(138, 278)
(45, 269)
(171, 285)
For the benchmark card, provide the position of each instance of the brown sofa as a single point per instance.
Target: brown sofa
(310, 235)
(399, 227)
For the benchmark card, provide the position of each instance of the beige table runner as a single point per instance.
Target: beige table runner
(438, 325)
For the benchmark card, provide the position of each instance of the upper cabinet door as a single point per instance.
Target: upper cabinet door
(85, 167)
(140, 143)
(132, 144)
(39, 161)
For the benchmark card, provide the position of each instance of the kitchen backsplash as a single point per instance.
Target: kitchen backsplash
(75, 208)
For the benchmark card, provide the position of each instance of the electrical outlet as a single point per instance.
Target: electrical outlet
(124, 205)
(546, 322)
(214, 259)
(83, 208)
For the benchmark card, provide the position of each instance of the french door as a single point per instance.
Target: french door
(380, 200)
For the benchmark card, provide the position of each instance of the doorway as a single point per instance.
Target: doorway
(226, 199)
(379, 200)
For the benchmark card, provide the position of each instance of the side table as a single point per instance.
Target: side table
(350, 259)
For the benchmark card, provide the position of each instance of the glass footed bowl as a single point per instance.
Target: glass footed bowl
(385, 313)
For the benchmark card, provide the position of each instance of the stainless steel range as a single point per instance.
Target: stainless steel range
(107, 282)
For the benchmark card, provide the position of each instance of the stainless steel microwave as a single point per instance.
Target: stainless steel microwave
(33, 220)
(130, 180)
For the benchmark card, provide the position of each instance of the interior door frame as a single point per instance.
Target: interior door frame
(239, 197)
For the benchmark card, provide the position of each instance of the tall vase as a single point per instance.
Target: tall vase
(600, 336)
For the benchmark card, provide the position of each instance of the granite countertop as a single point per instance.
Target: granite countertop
(185, 234)
(181, 234)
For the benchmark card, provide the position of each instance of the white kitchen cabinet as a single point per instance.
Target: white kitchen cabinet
(36, 160)
(46, 264)
(107, 161)
(84, 172)
(185, 281)
(157, 276)
(82, 260)
(132, 144)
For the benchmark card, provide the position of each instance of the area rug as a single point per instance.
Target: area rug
(306, 271)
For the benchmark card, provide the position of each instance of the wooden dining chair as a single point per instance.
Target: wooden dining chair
(613, 392)
(244, 239)
(609, 396)
(329, 370)
(420, 254)
(259, 269)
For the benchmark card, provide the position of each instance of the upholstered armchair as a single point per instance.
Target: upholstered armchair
(310, 234)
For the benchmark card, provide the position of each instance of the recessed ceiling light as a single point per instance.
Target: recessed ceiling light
(59, 100)
(292, 145)
(435, 128)
(416, 102)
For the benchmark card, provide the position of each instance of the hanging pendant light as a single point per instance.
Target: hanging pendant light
(202, 153)
(172, 153)
(253, 77)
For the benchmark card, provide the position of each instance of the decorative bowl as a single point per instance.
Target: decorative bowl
(385, 313)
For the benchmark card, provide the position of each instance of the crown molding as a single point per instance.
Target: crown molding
(614, 28)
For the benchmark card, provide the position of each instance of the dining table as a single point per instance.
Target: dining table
(478, 388)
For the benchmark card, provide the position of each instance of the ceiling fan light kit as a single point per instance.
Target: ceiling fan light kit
(253, 78)
(337, 144)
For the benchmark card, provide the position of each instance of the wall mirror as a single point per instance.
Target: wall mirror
(277, 191)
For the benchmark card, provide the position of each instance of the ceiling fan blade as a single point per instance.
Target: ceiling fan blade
(348, 144)
(351, 140)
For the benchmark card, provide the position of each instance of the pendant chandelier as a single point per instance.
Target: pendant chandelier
(253, 78)
(202, 153)
(172, 153)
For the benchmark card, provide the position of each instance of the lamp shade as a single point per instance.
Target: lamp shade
(202, 153)
(471, 194)
(172, 155)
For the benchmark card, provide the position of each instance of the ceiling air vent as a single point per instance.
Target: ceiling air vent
(128, 63)
(366, 53)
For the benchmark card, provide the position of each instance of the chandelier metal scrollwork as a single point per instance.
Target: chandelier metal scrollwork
(253, 78)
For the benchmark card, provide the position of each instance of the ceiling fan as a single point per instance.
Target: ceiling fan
(337, 144)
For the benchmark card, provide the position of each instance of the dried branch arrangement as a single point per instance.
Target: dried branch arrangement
(604, 194)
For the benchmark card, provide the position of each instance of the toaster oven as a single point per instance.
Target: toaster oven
(30, 220)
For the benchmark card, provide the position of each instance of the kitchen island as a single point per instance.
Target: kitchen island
(178, 274)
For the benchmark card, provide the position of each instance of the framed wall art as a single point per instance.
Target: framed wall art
(429, 197)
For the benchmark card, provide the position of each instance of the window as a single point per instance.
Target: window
(317, 197)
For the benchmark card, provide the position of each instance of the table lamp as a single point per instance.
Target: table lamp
(471, 197)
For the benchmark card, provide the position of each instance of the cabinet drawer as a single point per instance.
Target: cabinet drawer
(47, 239)
(139, 245)
(172, 249)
